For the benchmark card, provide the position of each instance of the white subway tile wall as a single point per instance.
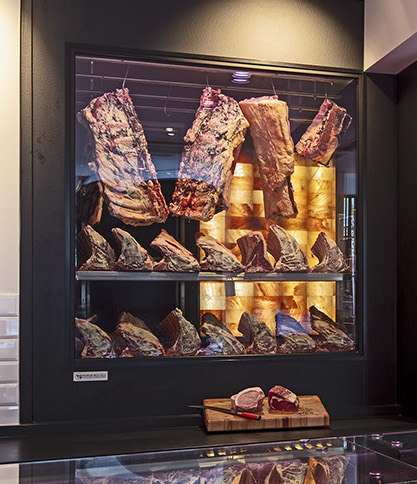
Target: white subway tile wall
(9, 359)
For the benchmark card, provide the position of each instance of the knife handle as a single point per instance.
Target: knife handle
(253, 416)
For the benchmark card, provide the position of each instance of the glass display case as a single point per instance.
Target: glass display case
(329, 460)
(215, 210)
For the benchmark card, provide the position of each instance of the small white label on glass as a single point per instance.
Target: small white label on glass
(90, 376)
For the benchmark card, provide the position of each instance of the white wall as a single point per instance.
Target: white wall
(9, 209)
(390, 35)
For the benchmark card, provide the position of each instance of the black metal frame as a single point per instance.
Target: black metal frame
(232, 368)
(72, 52)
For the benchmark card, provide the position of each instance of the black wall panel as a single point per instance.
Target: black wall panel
(322, 33)
(407, 240)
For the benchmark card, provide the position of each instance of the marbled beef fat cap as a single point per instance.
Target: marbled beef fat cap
(121, 159)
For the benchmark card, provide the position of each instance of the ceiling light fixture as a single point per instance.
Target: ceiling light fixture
(241, 77)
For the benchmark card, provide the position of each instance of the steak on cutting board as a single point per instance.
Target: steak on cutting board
(270, 129)
(208, 161)
(121, 159)
(322, 137)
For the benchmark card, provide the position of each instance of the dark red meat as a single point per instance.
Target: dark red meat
(254, 254)
(175, 257)
(208, 161)
(121, 159)
(180, 336)
(323, 135)
(93, 251)
(280, 398)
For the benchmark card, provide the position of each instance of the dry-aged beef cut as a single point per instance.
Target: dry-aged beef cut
(133, 257)
(331, 338)
(222, 341)
(291, 472)
(286, 251)
(94, 252)
(97, 343)
(90, 199)
(322, 137)
(288, 325)
(122, 160)
(248, 400)
(254, 254)
(182, 476)
(296, 343)
(136, 338)
(256, 334)
(330, 470)
(274, 147)
(280, 398)
(208, 161)
(329, 255)
(175, 257)
(218, 257)
(180, 336)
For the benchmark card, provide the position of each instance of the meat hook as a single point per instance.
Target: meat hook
(124, 80)
(166, 102)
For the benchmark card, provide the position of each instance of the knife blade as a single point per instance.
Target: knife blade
(252, 416)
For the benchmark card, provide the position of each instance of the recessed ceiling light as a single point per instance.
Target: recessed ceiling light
(169, 130)
(241, 77)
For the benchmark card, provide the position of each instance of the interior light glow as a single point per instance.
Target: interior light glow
(241, 77)
(170, 133)
(169, 130)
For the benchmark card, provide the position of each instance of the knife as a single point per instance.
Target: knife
(252, 416)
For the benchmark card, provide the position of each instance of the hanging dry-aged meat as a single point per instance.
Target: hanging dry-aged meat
(286, 251)
(180, 336)
(274, 147)
(89, 202)
(122, 161)
(248, 400)
(208, 161)
(218, 257)
(322, 137)
(297, 343)
(222, 341)
(94, 252)
(254, 254)
(135, 338)
(329, 255)
(133, 257)
(280, 398)
(331, 338)
(97, 343)
(175, 257)
(257, 336)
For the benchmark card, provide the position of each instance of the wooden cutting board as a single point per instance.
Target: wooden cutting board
(310, 414)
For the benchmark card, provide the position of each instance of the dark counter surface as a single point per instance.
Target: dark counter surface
(51, 446)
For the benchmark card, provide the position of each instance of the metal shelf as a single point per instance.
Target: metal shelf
(209, 276)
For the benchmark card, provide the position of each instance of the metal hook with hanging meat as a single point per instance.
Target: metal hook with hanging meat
(124, 80)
